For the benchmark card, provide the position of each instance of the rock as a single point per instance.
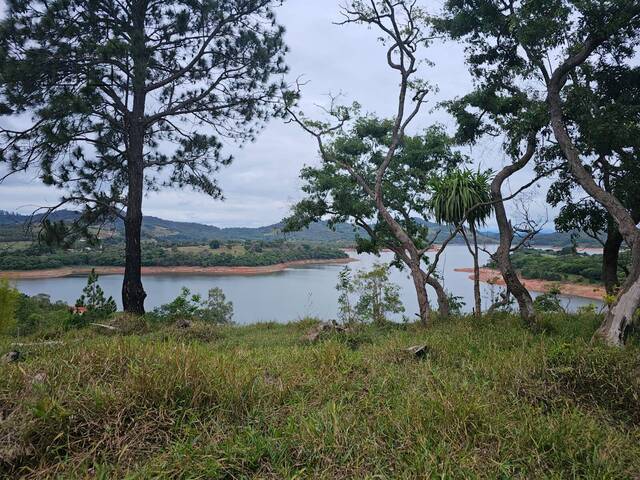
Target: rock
(182, 324)
(316, 332)
(418, 351)
(11, 357)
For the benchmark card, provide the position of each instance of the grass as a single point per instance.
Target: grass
(490, 400)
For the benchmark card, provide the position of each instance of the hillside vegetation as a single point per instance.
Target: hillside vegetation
(489, 400)
(36, 257)
(12, 228)
(561, 266)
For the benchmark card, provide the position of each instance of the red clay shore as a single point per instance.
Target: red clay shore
(592, 292)
(81, 271)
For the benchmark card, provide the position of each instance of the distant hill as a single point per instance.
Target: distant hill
(154, 228)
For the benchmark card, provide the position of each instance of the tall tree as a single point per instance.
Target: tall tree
(493, 109)
(462, 197)
(554, 44)
(120, 98)
(403, 28)
(604, 107)
(339, 191)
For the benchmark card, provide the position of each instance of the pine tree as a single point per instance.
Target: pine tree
(130, 97)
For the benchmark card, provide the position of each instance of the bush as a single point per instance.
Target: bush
(8, 305)
(98, 307)
(548, 302)
(214, 309)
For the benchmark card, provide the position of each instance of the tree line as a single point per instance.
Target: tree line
(120, 97)
(37, 258)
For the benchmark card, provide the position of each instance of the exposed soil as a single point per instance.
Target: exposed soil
(593, 292)
(83, 271)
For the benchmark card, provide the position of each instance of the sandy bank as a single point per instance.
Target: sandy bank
(82, 271)
(593, 292)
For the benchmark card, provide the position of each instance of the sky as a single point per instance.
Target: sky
(262, 184)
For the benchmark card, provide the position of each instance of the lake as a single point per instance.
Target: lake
(284, 296)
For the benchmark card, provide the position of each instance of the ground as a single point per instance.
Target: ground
(491, 399)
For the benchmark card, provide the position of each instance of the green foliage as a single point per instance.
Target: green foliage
(168, 48)
(36, 257)
(377, 295)
(549, 301)
(98, 307)
(215, 244)
(462, 196)
(561, 266)
(38, 315)
(187, 306)
(8, 305)
(345, 288)
(332, 192)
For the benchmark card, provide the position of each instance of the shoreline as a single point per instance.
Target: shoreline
(591, 292)
(179, 270)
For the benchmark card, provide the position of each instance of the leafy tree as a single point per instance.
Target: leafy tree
(514, 47)
(549, 302)
(339, 191)
(98, 306)
(134, 96)
(184, 306)
(216, 309)
(365, 149)
(345, 288)
(213, 309)
(463, 197)
(215, 244)
(8, 304)
(378, 296)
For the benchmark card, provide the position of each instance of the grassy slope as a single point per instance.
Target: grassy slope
(490, 401)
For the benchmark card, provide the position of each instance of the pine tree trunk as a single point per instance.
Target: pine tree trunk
(133, 293)
(502, 256)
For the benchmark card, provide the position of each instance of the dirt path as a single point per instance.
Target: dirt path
(593, 292)
(82, 271)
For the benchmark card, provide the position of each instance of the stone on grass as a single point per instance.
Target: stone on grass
(418, 351)
(11, 357)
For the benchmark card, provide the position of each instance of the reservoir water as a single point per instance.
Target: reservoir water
(284, 296)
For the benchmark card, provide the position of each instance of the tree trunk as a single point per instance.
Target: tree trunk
(421, 292)
(622, 313)
(610, 257)
(444, 308)
(502, 256)
(133, 293)
(476, 274)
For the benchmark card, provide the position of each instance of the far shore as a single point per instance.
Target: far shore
(178, 270)
(592, 292)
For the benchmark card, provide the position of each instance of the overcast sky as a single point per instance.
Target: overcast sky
(262, 183)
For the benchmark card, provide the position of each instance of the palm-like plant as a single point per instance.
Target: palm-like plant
(463, 198)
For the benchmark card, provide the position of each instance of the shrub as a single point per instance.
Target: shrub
(549, 302)
(214, 309)
(98, 307)
(8, 304)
